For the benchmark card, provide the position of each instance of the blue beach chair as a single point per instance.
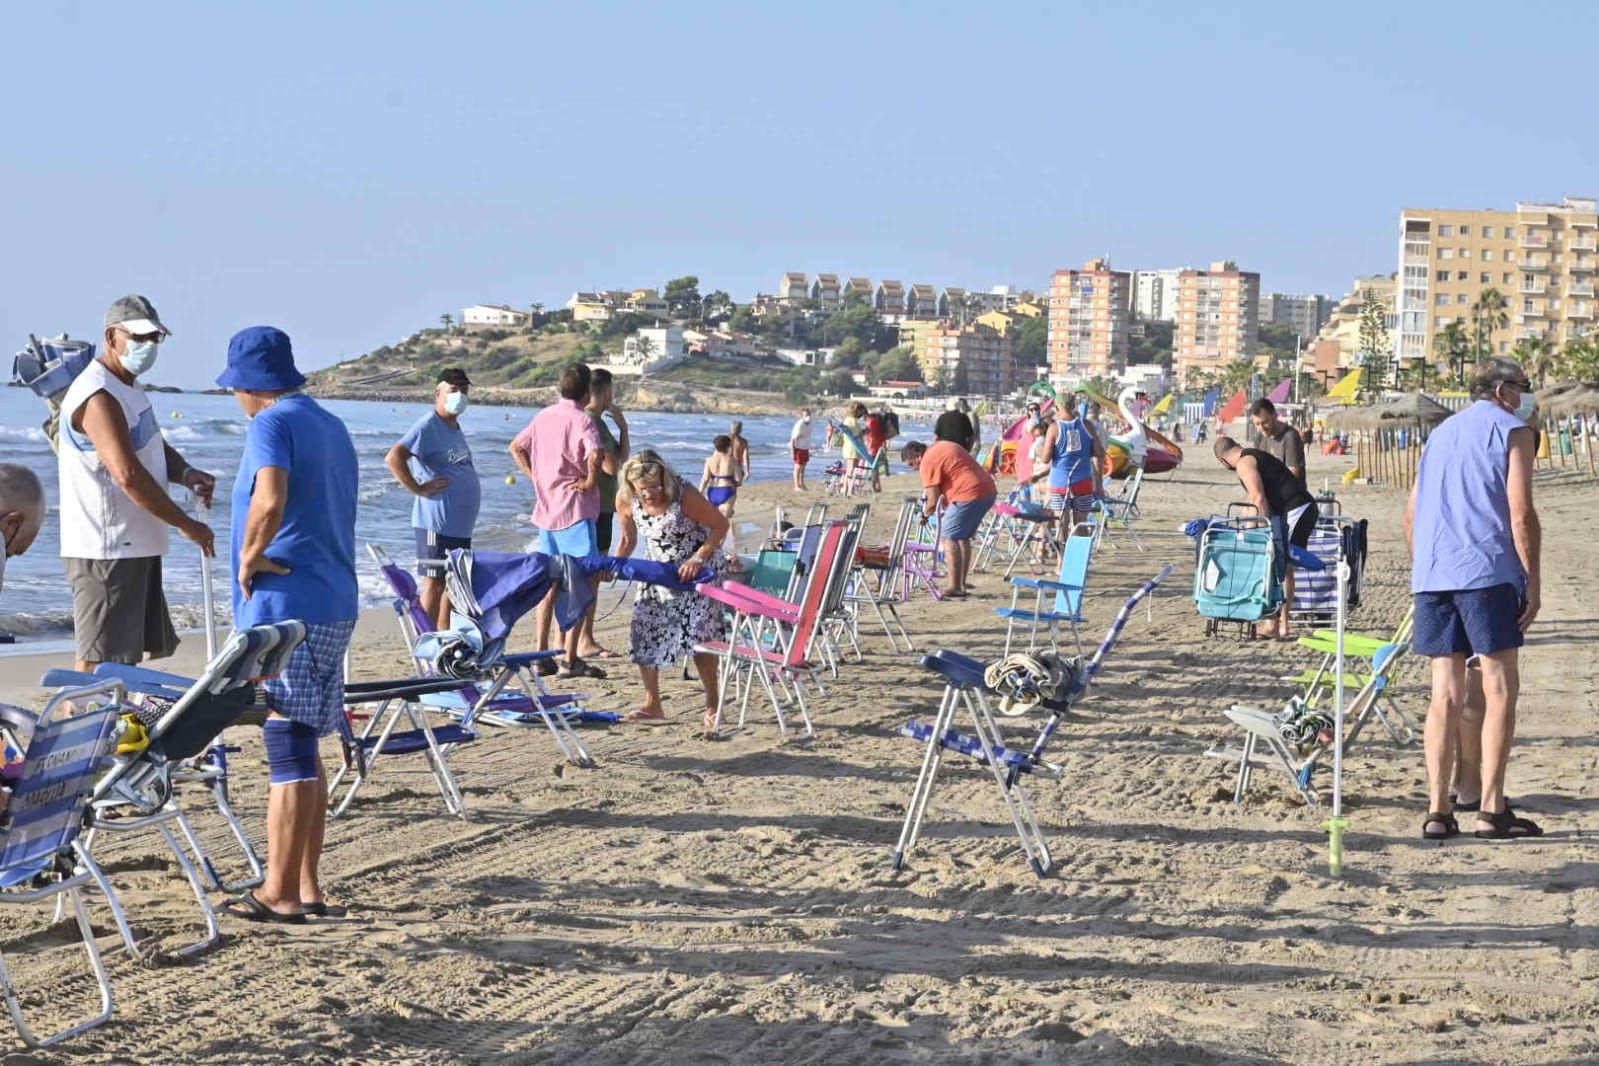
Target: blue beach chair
(44, 855)
(1068, 587)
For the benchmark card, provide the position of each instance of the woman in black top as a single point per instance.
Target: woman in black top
(1285, 503)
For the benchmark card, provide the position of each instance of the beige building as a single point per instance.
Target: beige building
(974, 359)
(794, 288)
(1088, 322)
(1335, 350)
(1541, 257)
(1218, 318)
(826, 291)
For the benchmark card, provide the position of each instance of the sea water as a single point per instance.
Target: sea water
(209, 432)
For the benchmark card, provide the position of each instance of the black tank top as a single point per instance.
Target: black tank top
(1284, 492)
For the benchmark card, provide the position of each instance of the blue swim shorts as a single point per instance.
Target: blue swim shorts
(1467, 621)
(962, 519)
(576, 540)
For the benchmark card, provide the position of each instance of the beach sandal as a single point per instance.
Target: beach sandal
(545, 667)
(602, 653)
(253, 910)
(323, 909)
(1507, 826)
(1443, 818)
(642, 717)
(956, 594)
(578, 668)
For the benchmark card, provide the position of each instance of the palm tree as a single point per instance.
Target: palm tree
(1488, 313)
(643, 349)
(1537, 357)
(1452, 346)
(534, 310)
(447, 321)
(1579, 360)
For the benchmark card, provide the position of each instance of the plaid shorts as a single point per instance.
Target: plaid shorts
(311, 688)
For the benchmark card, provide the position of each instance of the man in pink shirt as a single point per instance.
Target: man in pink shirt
(561, 453)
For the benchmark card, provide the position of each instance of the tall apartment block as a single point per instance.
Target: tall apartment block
(1218, 318)
(1541, 257)
(1155, 294)
(973, 356)
(1304, 313)
(1088, 322)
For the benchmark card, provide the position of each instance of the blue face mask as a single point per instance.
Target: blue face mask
(455, 403)
(140, 356)
(1525, 406)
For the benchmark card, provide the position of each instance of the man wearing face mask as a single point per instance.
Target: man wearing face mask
(114, 467)
(21, 512)
(434, 463)
(1474, 541)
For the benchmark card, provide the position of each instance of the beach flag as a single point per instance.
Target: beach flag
(1234, 408)
(1212, 398)
(1346, 389)
(1164, 405)
(1280, 393)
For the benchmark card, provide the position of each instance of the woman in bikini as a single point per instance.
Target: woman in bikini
(719, 483)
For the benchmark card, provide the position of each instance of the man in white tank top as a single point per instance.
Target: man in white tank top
(114, 467)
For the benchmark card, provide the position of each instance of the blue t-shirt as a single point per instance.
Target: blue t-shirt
(317, 537)
(1462, 533)
(439, 449)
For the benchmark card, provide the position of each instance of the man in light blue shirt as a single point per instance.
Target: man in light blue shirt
(434, 462)
(293, 553)
(1474, 539)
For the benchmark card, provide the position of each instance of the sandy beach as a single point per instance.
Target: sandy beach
(699, 901)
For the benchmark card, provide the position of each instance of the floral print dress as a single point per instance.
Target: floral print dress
(667, 623)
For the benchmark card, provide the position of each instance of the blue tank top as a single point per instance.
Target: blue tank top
(1462, 532)
(1073, 460)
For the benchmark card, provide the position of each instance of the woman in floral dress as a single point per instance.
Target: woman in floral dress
(678, 526)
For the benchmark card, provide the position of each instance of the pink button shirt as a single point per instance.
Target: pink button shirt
(559, 441)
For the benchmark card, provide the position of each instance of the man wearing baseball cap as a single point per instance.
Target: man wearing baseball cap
(293, 554)
(114, 467)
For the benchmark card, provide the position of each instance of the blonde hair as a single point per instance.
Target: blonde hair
(647, 466)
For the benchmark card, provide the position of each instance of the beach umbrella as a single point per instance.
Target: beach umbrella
(1561, 400)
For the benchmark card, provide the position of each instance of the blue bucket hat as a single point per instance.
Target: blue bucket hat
(261, 359)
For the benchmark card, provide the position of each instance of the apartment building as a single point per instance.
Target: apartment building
(1218, 318)
(1304, 313)
(890, 300)
(827, 292)
(1088, 322)
(861, 289)
(1335, 350)
(1542, 258)
(921, 301)
(794, 288)
(972, 359)
(1155, 294)
(954, 303)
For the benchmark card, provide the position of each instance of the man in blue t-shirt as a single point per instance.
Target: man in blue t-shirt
(434, 462)
(293, 553)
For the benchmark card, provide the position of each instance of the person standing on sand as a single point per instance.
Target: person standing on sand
(433, 462)
(293, 555)
(953, 425)
(602, 402)
(1475, 540)
(679, 526)
(1277, 438)
(719, 484)
(1285, 503)
(560, 452)
(951, 475)
(800, 441)
(114, 467)
(877, 446)
(741, 450)
(1074, 452)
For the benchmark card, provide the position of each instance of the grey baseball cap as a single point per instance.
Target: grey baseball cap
(136, 314)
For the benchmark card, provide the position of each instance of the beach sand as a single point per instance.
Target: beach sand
(696, 901)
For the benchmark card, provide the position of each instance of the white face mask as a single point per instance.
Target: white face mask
(454, 403)
(139, 356)
(1525, 406)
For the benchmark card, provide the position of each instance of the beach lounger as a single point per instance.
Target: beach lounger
(397, 703)
(1298, 738)
(1067, 590)
(44, 855)
(967, 687)
(184, 719)
(1318, 682)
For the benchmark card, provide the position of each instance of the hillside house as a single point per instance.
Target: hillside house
(921, 301)
(890, 300)
(794, 288)
(827, 292)
(493, 316)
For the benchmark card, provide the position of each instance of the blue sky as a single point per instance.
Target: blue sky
(350, 171)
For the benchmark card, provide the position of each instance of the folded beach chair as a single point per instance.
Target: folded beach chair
(43, 855)
(923, 561)
(1235, 575)
(184, 719)
(1067, 588)
(774, 642)
(1298, 738)
(1018, 686)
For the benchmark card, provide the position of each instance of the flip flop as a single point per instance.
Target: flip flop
(604, 653)
(323, 909)
(638, 717)
(253, 910)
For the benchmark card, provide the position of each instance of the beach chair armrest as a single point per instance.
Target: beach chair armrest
(404, 688)
(139, 675)
(523, 658)
(1044, 584)
(1354, 643)
(750, 601)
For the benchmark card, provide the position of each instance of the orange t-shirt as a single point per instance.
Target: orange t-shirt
(954, 471)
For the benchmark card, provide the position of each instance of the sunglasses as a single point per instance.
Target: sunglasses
(146, 338)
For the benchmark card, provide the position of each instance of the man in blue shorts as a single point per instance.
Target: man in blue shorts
(293, 551)
(1474, 539)
(433, 462)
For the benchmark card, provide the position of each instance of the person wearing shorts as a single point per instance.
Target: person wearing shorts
(617, 444)
(800, 440)
(433, 462)
(293, 554)
(1474, 539)
(562, 454)
(1282, 499)
(1073, 450)
(952, 475)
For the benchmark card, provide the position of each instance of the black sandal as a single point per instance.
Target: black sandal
(1443, 818)
(251, 909)
(1507, 826)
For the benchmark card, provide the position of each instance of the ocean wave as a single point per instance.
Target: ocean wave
(29, 434)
